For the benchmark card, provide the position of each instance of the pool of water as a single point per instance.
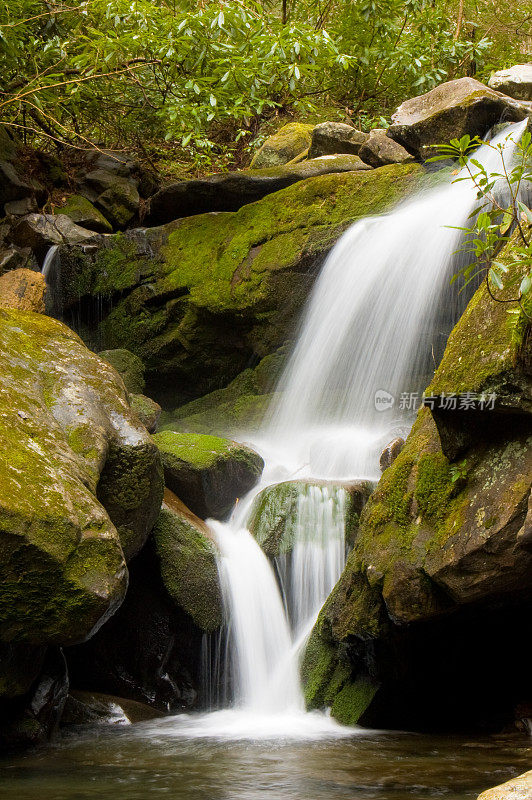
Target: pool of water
(173, 758)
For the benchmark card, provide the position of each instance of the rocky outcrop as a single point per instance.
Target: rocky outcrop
(23, 289)
(229, 191)
(207, 473)
(336, 137)
(515, 81)
(449, 111)
(200, 298)
(442, 562)
(288, 143)
(67, 434)
(379, 150)
(519, 788)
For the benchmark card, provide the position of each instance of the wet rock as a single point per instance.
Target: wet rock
(336, 137)
(290, 141)
(85, 214)
(34, 719)
(129, 366)
(517, 789)
(231, 190)
(187, 562)
(67, 433)
(207, 473)
(274, 513)
(147, 410)
(516, 81)
(390, 453)
(23, 289)
(380, 150)
(449, 111)
(86, 708)
(20, 665)
(41, 231)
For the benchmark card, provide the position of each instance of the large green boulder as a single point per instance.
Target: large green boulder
(187, 559)
(442, 562)
(290, 141)
(207, 473)
(80, 484)
(452, 109)
(199, 298)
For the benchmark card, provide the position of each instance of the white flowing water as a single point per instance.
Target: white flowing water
(49, 261)
(369, 335)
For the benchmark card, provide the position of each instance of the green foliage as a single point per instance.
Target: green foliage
(138, 71)
(500, 213)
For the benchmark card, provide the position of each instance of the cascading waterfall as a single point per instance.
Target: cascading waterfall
(372, 326)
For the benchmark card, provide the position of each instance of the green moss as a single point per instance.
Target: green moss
(189, 567)
(200, 451)
(434, 486)
(353, 700)
(290, 141)
(82, 212)
(129, 366)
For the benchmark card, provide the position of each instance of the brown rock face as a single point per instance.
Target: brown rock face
(23, 289)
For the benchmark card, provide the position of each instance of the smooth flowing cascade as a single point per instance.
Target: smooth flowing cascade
(378, 319)
(264, 679)
(317, 559)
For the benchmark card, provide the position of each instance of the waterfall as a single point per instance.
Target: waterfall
(373, 330)
(49, 261)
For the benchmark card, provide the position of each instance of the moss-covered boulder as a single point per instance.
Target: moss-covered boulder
(449, 111)
(207, 473)
(240, 406)
(67, 435)
(84, 213)
(187, 559)
(276, 511)
(147, 410)
(290, 141)
(129, 366)
(200, 298)
(442, 562)
(229, 191)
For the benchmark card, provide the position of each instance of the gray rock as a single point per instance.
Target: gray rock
(84, 213)
(516, 81)
(380, 150)
(40, 231)
(232, 190)
(12, 187)
(449, 111)
(336, 137)
(20, 208)
(147, 410)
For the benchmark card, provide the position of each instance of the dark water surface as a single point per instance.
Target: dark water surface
(141, 761)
